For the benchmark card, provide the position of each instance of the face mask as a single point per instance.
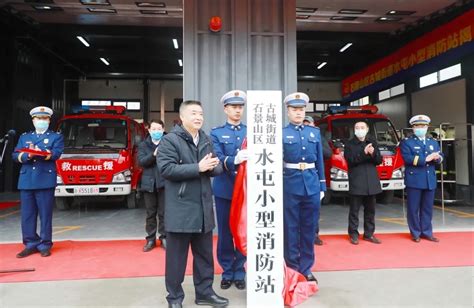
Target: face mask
(420, 132)
(41, 125)
(360, 133)
(156, 135)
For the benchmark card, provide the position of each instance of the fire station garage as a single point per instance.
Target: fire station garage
(88, 86)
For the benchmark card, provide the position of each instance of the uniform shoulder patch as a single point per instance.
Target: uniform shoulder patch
(217, 127)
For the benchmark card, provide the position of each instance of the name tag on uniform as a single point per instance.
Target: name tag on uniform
(225, 136)
(289, 137)
(417, 148)
(46, 141)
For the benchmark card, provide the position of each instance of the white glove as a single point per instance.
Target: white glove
(321, 195)
(241, 156)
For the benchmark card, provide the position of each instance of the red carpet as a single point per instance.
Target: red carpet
(124, 258)
(8, 204)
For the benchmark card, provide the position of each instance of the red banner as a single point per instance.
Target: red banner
(449, 36)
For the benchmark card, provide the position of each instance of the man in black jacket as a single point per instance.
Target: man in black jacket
(187, 161)
(152, 185)
(362, 156)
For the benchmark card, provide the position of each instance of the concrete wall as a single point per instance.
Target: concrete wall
(447, 103)
(321, 91)
(396, 109)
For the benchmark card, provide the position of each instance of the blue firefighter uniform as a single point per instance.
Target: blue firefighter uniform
(303, 180)
(227, 140)
(420, 182)
(36, 184)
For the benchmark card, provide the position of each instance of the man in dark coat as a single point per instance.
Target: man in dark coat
(362, 156)
(152, 185)
(187, 161)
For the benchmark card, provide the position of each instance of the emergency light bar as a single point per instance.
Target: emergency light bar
(353, 109)
(100, 109)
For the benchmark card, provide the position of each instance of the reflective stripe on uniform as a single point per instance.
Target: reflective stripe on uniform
(20, 155)
(415, 160)
(225, 163)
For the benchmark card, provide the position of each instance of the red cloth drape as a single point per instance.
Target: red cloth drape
(296, 289)
(238, 209)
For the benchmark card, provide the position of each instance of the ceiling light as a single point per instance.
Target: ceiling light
(388, 19)
(307, 10)
(154, 12)
(105, 61)
(97, 10)
(150, 4)
(302, 16)
(345, 18)
(175, 44)
(352, 11)
(95, 2)
(320, 66)
(345, 47)
(47, 8)
(83, 41)
(180, 62)
(400, 13)
(40, 1)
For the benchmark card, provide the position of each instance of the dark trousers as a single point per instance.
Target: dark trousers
(176, 259)
(299, 231)
(317, 214)
(369, 215)
(230, 258)
(420, 211)
(155, 205)
(33, 203)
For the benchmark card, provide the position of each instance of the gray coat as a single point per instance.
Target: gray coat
(188, 198)
(151, 178)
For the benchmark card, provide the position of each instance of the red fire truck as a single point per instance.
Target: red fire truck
(100, 156)
(337, 126)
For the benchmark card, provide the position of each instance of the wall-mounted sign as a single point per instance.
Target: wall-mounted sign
(453, 35)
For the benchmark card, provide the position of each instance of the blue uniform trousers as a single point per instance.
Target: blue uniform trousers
(229, 257)
(34, 202)
(300, 213)
(420, 211)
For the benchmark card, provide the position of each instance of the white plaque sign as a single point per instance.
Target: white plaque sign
(264, 199)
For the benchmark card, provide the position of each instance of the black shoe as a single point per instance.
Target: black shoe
(212, 300)
(149, 245)
(430, 238)
(372, 239)
(225, 284)
(45, 253)
(354, 240)
(175, 305)
(318, 241)
(26, 252)
(415, 239)
(163, 242)
(240, 284)
(310, 277)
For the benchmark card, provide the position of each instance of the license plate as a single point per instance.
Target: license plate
(86, 190)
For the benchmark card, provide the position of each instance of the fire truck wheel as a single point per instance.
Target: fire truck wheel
(63, 203)
(327, 197)
(132, 202)
(386, 197)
